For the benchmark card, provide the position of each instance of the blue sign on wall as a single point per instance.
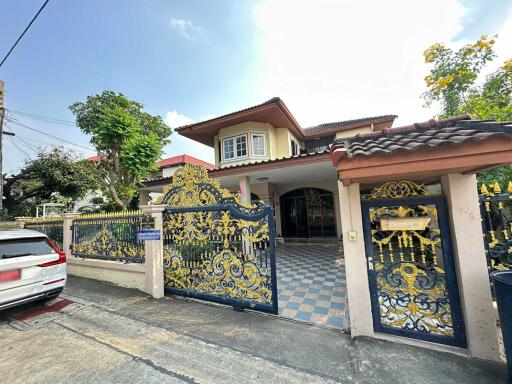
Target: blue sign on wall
(148, 234)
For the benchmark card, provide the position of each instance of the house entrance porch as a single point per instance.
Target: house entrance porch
(304, 195)
(310, 269)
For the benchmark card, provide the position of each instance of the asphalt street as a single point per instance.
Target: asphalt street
(108, 334)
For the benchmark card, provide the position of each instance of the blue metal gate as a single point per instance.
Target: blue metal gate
(412, 276)
(216, 248)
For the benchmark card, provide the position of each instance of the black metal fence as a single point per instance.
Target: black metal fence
(53, 227)
(496, 211)
(110, 236)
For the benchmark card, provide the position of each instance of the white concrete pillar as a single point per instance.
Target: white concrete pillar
(470, 262)
(245, 189)
(143, 197)
(358, 291)
(67, 235)
(154, 255)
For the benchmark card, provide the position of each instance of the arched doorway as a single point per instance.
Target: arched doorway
(308, 212)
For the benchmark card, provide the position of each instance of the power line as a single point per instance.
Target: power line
(41, 117)
(25, 31)
(32, 147)
(27, 139)
(47, 134)
(19, 149)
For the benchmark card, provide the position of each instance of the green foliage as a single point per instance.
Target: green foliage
(128, 140)
(55, 176)
(113, 128)
(494, 99)
(453, 82)
(453, 74)
(139, 155)
(500, 175)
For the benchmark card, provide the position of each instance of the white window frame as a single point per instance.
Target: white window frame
(233, 140)
(224, 141)
(264, 136)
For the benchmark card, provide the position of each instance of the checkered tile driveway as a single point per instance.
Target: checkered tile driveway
(311, 283)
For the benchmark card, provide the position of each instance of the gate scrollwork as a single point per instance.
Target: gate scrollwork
(216, 247)
(410, 269)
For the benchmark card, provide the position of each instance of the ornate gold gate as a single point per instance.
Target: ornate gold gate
(411, 270)
(215, 247)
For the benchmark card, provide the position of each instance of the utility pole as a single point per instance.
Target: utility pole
(2, 133)
(2, 114)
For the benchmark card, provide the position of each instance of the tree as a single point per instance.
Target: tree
(128, 140)
(56, 175)
(453, 81)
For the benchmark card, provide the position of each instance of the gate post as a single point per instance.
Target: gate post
(67, 235)
(154, 255)
(480, 317)
(358, 289)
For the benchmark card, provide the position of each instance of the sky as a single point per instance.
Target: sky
(193, 60)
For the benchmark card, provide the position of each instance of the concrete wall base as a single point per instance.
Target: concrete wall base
(124, 275)
(423, 344)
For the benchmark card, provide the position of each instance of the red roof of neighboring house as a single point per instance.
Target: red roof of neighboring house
(183, 159)
(173, 161)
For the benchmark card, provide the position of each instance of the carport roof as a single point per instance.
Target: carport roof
(424, 150)
(431, 134)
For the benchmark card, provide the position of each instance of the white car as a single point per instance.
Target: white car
(31, 268)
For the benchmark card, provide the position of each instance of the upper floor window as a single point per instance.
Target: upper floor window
(234, 147)
(258, 144)
(319, 145)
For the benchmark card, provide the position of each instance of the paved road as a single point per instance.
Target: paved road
(117, 335)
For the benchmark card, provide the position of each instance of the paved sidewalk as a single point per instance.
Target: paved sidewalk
(117, 335)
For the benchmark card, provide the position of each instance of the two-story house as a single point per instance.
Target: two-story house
(265, 154)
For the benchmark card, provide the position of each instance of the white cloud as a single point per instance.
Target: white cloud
(174, 119)
(503, 46)
(181, 145)
(332, 60)
(186, 28)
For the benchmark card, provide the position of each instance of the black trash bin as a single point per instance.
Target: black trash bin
(503, 289)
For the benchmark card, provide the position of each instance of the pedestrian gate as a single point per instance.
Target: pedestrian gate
(215, 247)
(412, 277)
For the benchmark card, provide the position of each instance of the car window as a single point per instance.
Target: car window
(25, 247)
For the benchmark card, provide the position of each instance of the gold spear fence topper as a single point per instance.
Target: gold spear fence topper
(496, 212)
